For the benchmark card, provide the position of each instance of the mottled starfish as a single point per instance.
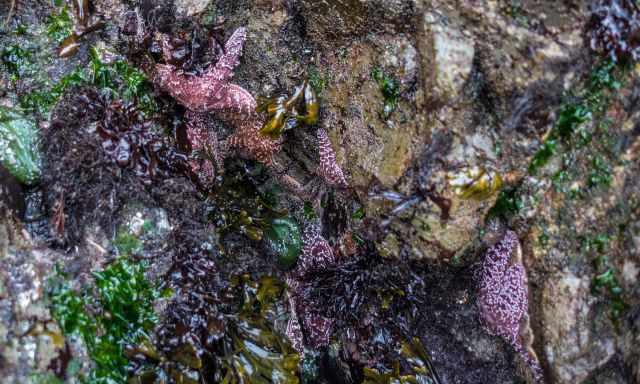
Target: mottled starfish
(308, 328)
(212, 92)
(503, 298)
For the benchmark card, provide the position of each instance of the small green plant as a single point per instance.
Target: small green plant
(390, 89)
(358, 214)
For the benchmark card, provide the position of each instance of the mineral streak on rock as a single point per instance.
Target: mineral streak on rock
(329, 168)
(503, 298)
(305, 327)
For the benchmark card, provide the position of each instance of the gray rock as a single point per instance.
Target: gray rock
(577, 341)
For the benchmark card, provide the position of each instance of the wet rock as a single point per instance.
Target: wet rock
(11, 194)
(190, 8)
(369, 145)
(30, 340)
(453, 54)
(338, 20)
(576, 333)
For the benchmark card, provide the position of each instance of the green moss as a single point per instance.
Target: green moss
(509, 203)
(19, 145)
(390, 89)
(17, 61)
(600, 174)
(59, 25)
(116, 312)
(127, 244)
(317, 81)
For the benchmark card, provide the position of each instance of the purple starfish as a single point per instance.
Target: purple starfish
(503, 297)
(305, 327)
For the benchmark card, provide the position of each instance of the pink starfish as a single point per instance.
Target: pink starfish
(316, 255)
(212, 92)
(503, 296)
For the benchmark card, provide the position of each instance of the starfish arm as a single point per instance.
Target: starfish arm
(329, 169)
(223, 69)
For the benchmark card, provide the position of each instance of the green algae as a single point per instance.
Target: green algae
(574, 114)
(127, 244)
(59, 25)
(605, 281)
(118, 78)
(116, 312)
(390, 89)
(17, 61)
(19, 146)
(283, 236)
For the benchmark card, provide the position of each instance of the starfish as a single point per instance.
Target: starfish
(308, 328)
(503, 298)
(212, 92)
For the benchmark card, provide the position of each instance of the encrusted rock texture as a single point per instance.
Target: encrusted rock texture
(477, 87)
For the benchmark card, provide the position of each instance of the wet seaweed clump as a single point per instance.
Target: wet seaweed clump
(376, 304)
(82, 184)
(218, 330)
(615, 29)
(128, 138)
